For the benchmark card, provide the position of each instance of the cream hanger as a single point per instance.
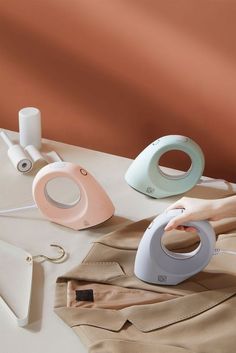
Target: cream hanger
(16, 272)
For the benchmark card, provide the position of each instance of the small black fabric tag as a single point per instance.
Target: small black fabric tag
(84, 295)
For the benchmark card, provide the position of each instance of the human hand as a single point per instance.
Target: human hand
(194, 210)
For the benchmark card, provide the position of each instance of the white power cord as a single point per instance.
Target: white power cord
(202, 181)
(219, 251)
(10, 210)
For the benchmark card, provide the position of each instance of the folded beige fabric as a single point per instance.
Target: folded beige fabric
(113, 311)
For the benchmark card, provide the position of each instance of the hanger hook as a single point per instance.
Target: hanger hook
(53, 259)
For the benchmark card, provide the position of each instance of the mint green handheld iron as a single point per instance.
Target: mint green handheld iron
(146, 176)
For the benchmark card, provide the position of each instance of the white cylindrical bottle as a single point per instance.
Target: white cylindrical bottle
(30, 127)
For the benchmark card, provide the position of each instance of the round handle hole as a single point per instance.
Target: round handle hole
(176, 159)
(181, 244)
(62, 192)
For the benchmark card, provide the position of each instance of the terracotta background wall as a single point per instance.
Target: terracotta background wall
(114, 75)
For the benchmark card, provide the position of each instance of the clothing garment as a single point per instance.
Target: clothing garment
(112, 311)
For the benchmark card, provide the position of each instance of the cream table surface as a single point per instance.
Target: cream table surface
(30, 231)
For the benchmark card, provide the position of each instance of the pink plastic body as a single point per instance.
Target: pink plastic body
(93, 207)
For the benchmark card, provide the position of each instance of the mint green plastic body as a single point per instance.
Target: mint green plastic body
(145, 175)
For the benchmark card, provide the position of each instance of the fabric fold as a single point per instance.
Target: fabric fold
(113, 311)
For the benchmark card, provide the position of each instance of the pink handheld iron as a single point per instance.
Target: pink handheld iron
(93, 206)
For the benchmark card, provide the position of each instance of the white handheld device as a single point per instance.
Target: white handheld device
(17, 155)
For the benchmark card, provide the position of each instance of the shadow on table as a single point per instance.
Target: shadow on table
(206, 190)
(36, 307)
(111, 225)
